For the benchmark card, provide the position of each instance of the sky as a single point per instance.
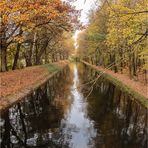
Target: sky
(85, 6)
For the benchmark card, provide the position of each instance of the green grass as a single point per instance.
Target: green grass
(125, 88)
(52, 67)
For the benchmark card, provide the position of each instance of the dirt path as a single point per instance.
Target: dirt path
(139, 87)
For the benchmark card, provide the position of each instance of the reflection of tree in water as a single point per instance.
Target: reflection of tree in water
(37, 121)
(32, 122)
(121, 122)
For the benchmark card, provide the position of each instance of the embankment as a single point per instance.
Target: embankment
(16, 85)
(137, 90)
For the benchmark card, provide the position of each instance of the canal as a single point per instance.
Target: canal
(67, 112)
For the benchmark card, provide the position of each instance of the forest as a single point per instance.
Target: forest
(116, 37)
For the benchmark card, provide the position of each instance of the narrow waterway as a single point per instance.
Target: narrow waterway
(76, 122)
(59, 115)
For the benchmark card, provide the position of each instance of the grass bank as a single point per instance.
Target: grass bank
(135, 89)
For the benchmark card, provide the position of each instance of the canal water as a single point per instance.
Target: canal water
(67, 112)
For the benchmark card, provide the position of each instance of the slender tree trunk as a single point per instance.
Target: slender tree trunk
(130, 66)
(115, 66)
(28, 57)
(36, 55)
(16, 57)
(145, 73)
(38, 60)
(3, 58)
(3, 46)
(40, 53)
(134, 64)
(34, 48)
(121, 61)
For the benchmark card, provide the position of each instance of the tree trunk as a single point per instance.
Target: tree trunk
(16, 56)
(3, 59)
(134, 64)
(34, 48)
(130, 66)
(3, 46)
(28, 56)
(28, 62)
(121, 60)
(38, 60)
(115, 66)
(40, 53)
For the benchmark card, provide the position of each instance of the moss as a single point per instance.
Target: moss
(138, 97)
(125, 88)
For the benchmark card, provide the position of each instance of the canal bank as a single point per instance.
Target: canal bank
(135, 89)
(59, 115)
(16, 85)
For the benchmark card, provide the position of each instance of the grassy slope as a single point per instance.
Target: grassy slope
(123, 86)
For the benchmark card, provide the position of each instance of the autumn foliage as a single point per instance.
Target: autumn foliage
(29, 26)
(116, 37)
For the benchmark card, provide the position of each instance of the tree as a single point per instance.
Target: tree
(22, 17)
(116, 36)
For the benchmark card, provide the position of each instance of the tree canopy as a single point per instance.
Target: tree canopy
(29, 27)
(116, 35)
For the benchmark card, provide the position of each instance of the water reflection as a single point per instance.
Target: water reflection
(58, 115)
(76, 123)
(121, 122)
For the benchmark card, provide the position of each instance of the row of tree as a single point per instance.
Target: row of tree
(116, 37)
(34, 32)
